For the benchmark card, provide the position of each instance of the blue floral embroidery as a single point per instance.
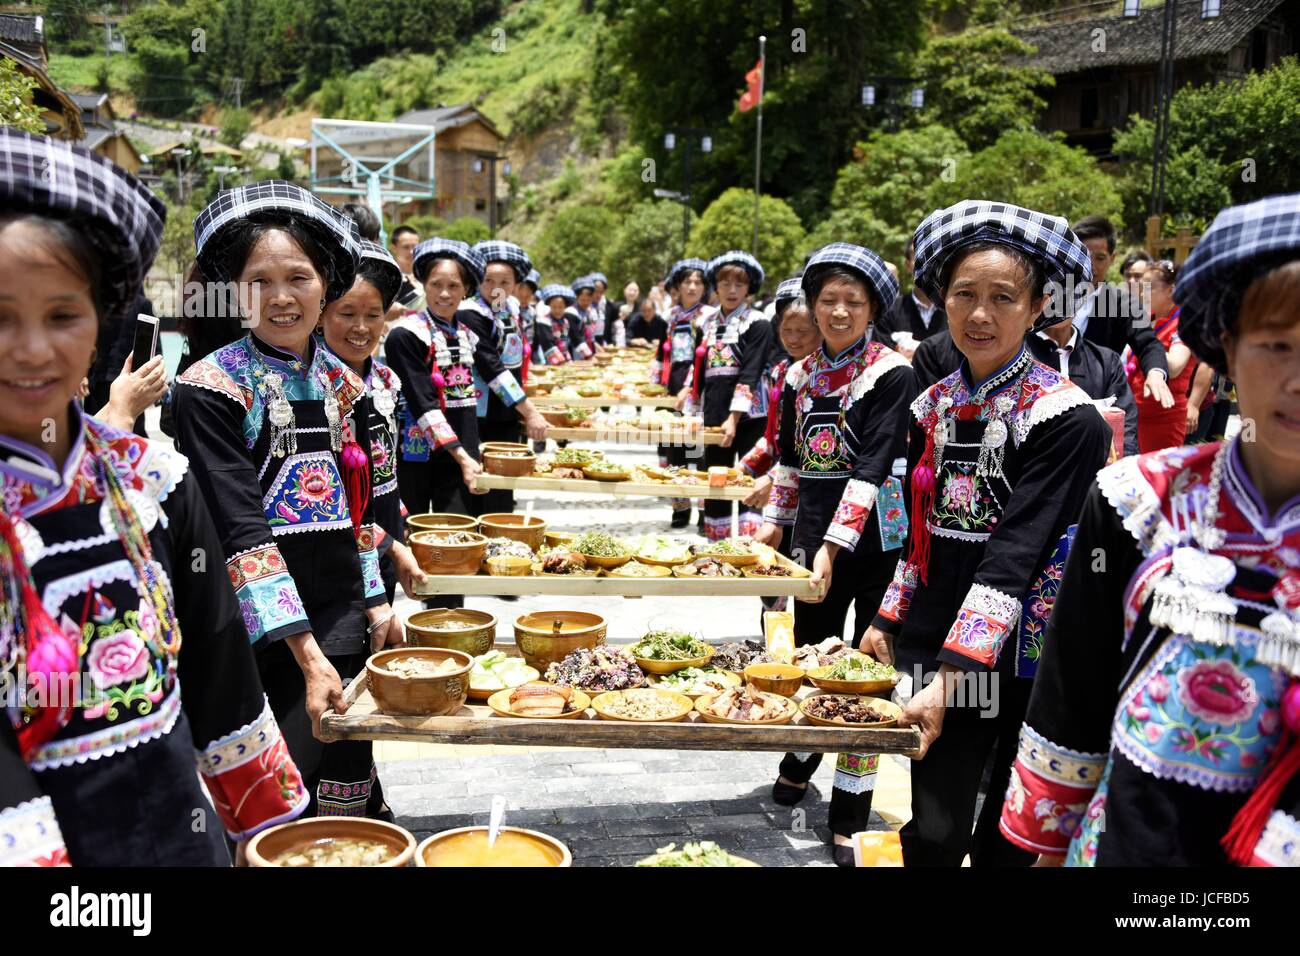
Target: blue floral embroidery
(306, 494)
(1039, 601)
(891, 514)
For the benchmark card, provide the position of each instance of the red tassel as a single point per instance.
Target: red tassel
(528, 360)
(924, 484)
(773, 419)
(1247, 826)
(700, 352)
(356, 479)
(666, 367)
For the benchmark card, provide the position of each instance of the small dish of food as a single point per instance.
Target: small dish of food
(707, 567)
(539, 701)
(562, 561)
(783, 679)
(738, 552)
(607, 471)
(812, 656)
(496, 671)
(332, 842)
(694, 682)
(643, 705)
(601, 549)
(746, 705)
(836, 710)
(597, 669)
(704, 853)
(855, 674)
(666, 650)
(636, 569)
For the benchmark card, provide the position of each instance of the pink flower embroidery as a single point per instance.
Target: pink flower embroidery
(1158, 688)
(823, 442)
(959, 492)
(1217, 692)
(1138, 712)
(1268, 722)
(458, 375)
(118, 659)
(315, 484)
(378, 453)
(1153, 733)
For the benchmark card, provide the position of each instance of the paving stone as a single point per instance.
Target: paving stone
(428, 791)
(533, 818)
(762, 839)
(733, 821)
(728, 840)
(645, 827)
(572, 784)
(587, 814)
(769, 856)
(606, 768)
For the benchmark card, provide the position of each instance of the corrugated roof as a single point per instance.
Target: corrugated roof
(89, 101)
(20, 29)
(1133, 41)
(447, 117)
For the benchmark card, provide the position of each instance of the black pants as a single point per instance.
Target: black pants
(339, 776)
(860, 583)
(945, 784)
(499, 500)
(435, 485)
(717, 514)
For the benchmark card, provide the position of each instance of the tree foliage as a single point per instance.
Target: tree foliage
(575, 243)
(728, 223)
(648, 242)
(16, 106)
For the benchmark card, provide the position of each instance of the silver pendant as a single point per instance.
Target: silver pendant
(284, 434)
(1191, 600)
(1279, 645)
(335, 421)
(384, 403)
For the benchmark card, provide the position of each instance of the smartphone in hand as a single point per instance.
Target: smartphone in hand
(146, 341)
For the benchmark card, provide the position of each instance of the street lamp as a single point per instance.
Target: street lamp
(906, 93)
(222, 172)
(180, 154)
(689, 135)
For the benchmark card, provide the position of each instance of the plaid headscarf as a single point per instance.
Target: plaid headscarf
(787, 292)
(497, 250)
(380, 269)
(600, 277)
(534, 279)
(1241, 244)
(557, 288)
(859, 259)
(1046, 240)
(736, 257)
(123, 219)
(431, 250)
(277, 201)
(584, 282)
(678, 272)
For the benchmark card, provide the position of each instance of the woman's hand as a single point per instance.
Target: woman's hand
(925, 711)
(324, 689)
(408, 569)
(758, 498)
(1045, 861)
(1156, 388)
(1193, 419)
(132, 392)
(769, 534)
(729, 430)
(682, 398)
(387, 626)
(469, 470)
(823, 563)
(879, 645)
(536, 426)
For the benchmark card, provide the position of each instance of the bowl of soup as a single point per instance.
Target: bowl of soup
(548, 637)
(468, 847)
(419, 681)
(332, 842)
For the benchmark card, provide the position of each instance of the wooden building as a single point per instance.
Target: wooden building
(1106, 66)
(22, 40)
(102, 135)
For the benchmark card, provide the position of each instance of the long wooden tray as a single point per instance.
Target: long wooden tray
(477, 724)
(634, 436)
(575, 586)
(603, 401)
(618, 489)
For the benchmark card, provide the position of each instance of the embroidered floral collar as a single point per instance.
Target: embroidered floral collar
(1251, 504)
(281, 361)
(30, 472)
(850, 354)
(999, 379)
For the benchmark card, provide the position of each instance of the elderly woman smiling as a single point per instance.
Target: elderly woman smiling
(1000, 458)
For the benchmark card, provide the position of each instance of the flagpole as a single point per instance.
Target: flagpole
(758, 140)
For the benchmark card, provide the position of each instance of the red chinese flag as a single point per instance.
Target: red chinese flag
(749, 99)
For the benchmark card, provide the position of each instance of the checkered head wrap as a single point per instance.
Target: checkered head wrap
(600, 277)
(1046, 240)
(681, 267)
(858, 259)
(381, 270)
(560, 289)
(534, 279)
(496, 250)
(123, 219)
(276, 201)
(788, 291)
(736, 257)
(431, 250)
(1242, 243)
(584, 282)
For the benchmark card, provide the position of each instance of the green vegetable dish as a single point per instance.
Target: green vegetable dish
(574, 456)
(704, 853)
(670, 645)
(605, 466)
(696, 680)
(730, 546)
(599, 544)
(858, 667)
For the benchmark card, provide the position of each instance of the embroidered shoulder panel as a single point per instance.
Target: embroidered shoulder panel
(211, 374)
(417, 323)
(1147, 490)
(880, 360)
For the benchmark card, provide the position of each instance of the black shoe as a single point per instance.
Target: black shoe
(787, 794)
(700, 523)
(843, 855)
(681, 518)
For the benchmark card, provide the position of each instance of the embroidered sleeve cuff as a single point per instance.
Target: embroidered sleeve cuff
(1279, 844)
(554, 356)
(898, 598)
(375, 593)
(851, 515)
(30, 836)
(253, 782)
(268, 597)
(583, 351)
(437, 429)
(506, 387)
(1048, 793)
(758, 460)
(984, 622)
(742, 399)
(783, 504)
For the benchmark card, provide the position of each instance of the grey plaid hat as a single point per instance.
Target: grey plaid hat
(584, 282)
(560, 289)
(497, 250)
(276, 201)
(1047, 240)
(880, 281)
(789, 290)
(122, 217)
(681, 267)
(431, 250)
(600, 277)
(534, 279)
(1241, 244)
(736, 257)
(381, 270)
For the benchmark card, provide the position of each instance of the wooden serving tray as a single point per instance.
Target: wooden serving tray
(477, 724)
(634, 436)
(618, 489)
(604, 401)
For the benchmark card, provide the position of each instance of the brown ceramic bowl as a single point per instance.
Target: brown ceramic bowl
(436, 557)
(528, 529)
(474, 635)
(552, 847)
(272, 843)
(559, 539)
(440, 522)
(547, 637)
(419, 696)
(508, 458)
(783, 679)
(509, 566)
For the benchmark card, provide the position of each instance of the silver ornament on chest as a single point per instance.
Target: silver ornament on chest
(1192, 600)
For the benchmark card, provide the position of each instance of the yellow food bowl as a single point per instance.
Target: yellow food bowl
(783, 679)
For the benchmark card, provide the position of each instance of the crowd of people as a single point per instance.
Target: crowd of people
(1016, 474)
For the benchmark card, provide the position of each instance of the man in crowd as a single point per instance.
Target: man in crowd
(912, 318)
(410, 296)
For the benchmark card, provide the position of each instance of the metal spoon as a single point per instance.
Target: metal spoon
(495, 819)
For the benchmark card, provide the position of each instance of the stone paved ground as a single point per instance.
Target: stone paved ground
(613, 807)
